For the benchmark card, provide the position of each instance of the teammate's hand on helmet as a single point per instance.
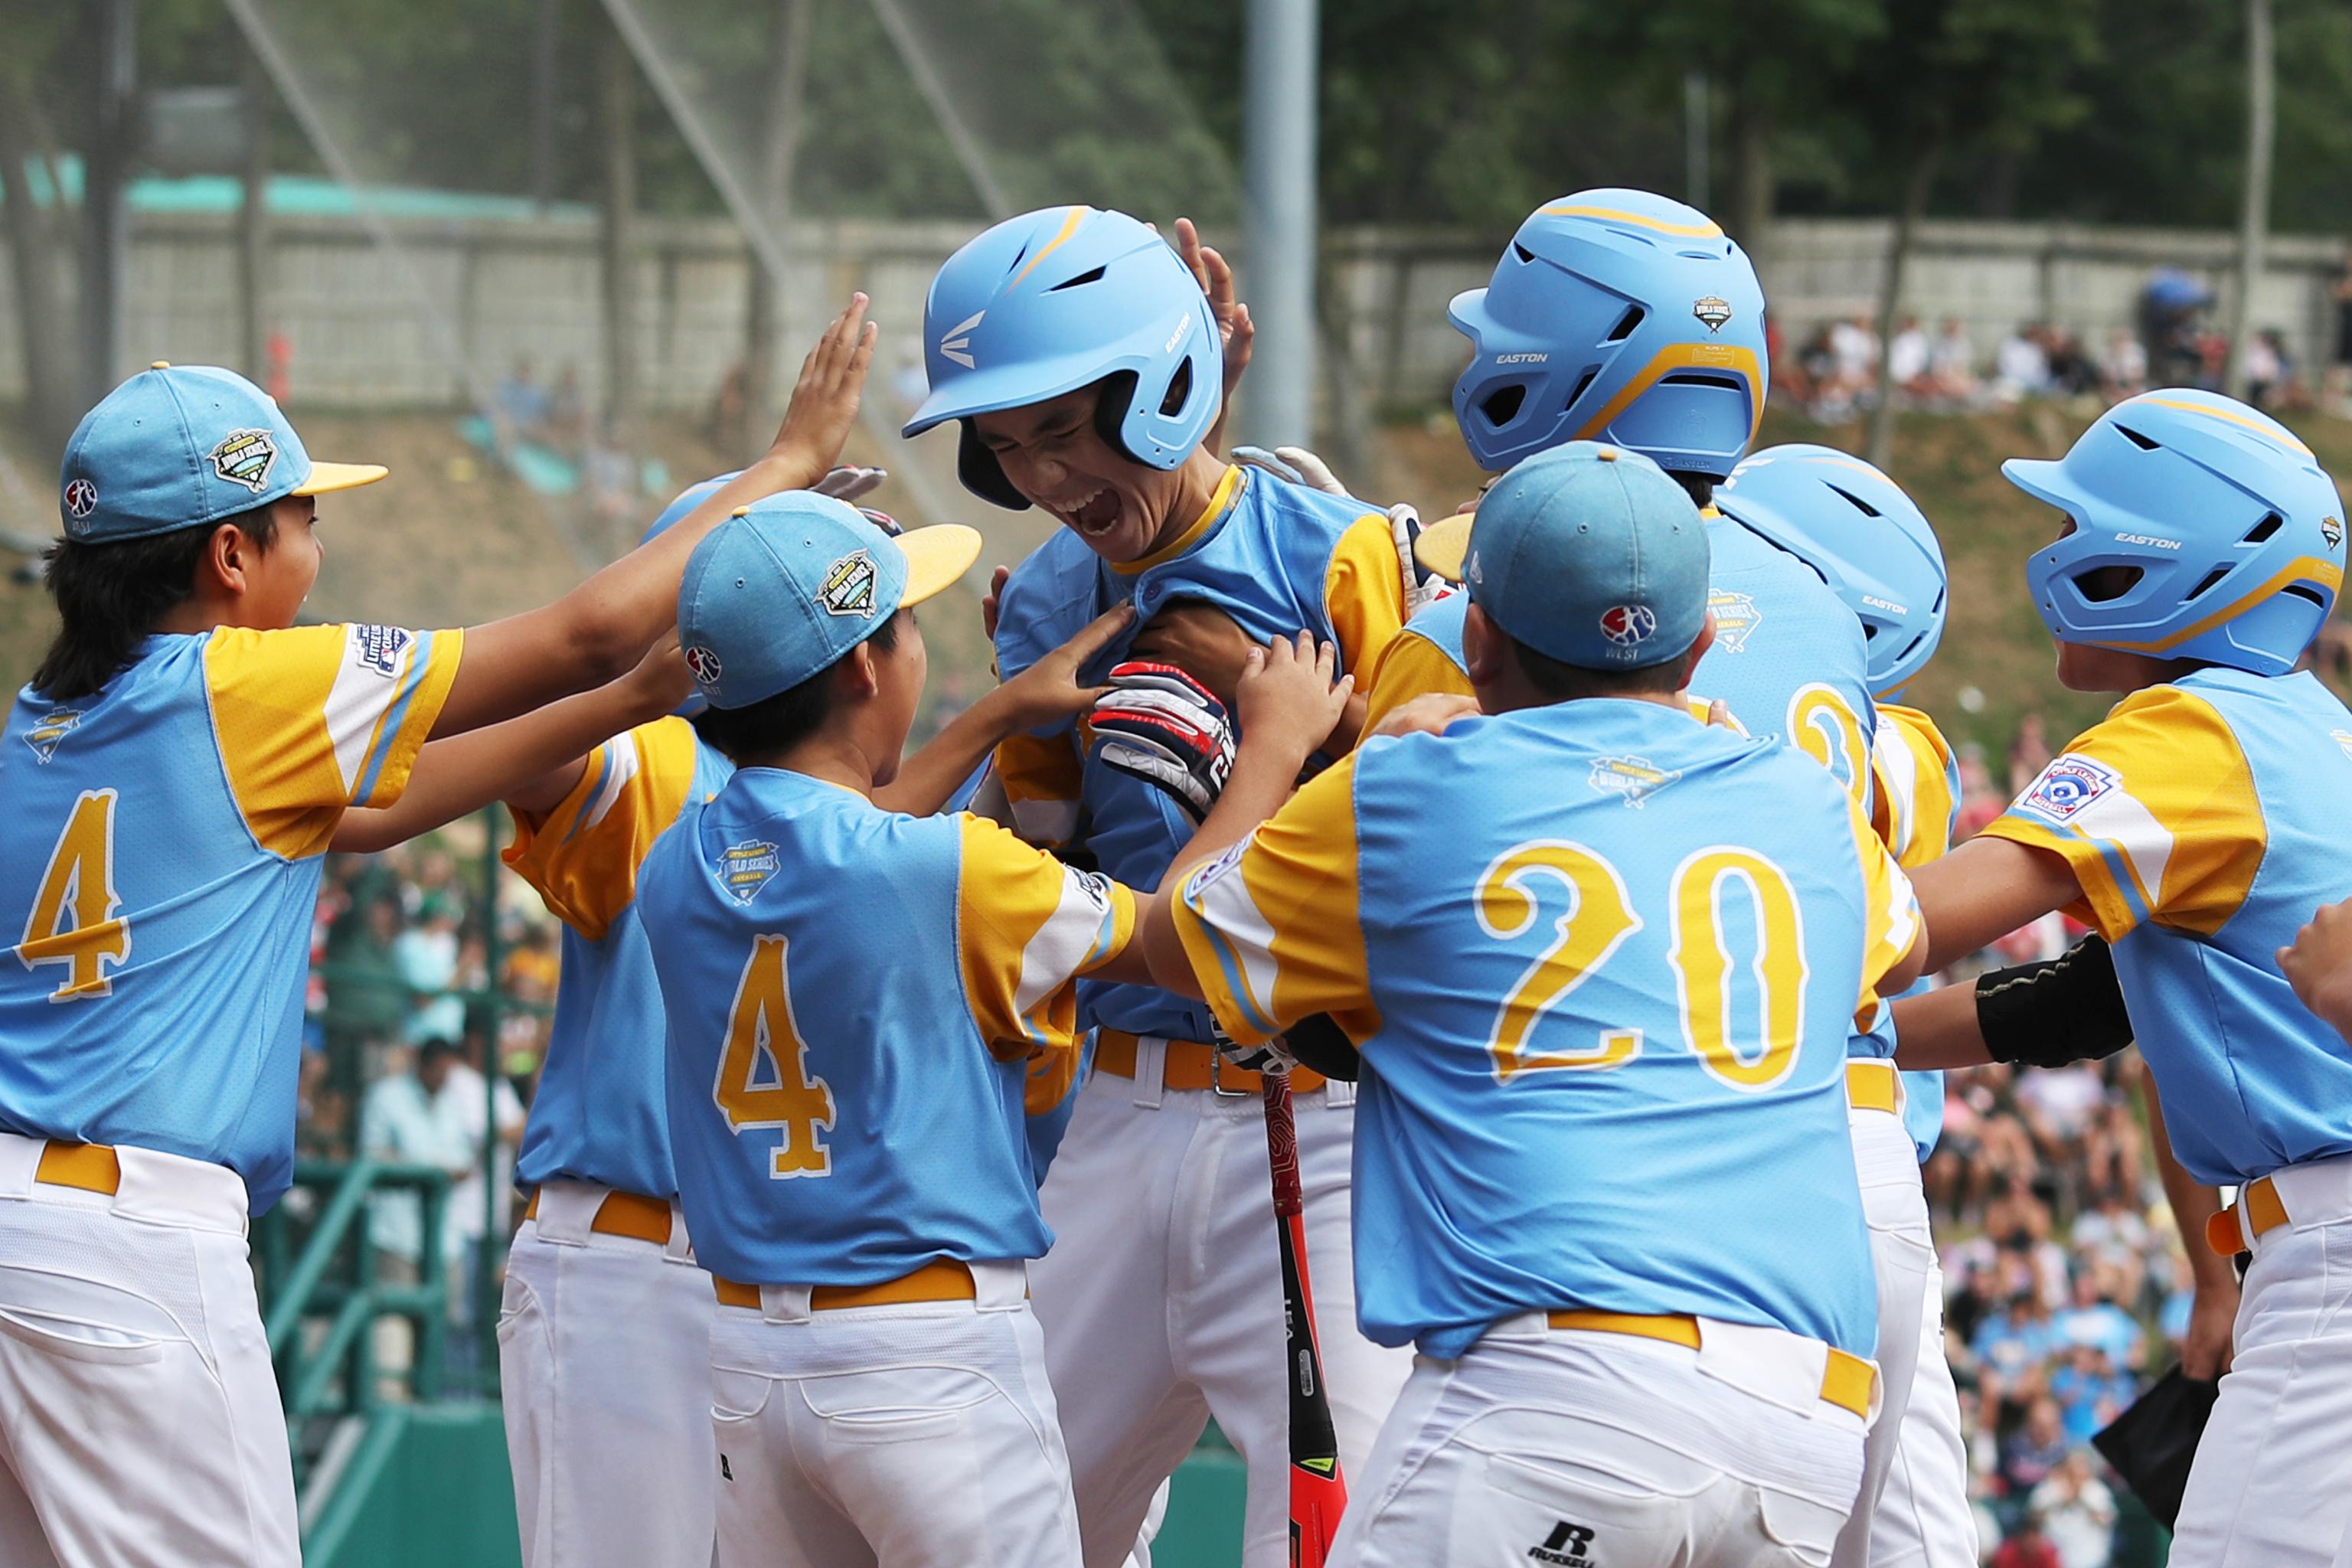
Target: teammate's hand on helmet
(1287, 696)
(1235, 327)
(1427, 714)
(2319, 965)
(1157, 723)
(1203, 641)
(850, 482)
(1271, 1057)
(1423, 587)
(824, 400)
(1297, 464)
(1048, 690)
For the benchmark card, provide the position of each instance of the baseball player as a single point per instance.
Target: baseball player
(2195, 827)
(604, 1339)
(1870, 541)
(1081, 360)
(852, 996)
(1655, 1351)
(1620, 316)
(173, 772)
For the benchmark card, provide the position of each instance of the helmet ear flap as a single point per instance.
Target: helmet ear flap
(982, 474)
(1114, 400)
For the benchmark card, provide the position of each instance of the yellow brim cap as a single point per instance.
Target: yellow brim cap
(936, 557)
(326, 476)
(1444, 544)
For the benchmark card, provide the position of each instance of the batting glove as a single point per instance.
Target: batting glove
(1269, 1057)
(850, 481)
(1160, 725)
(1297, 464)
(1423, 587)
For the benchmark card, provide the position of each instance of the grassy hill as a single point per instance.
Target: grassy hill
(452, 540)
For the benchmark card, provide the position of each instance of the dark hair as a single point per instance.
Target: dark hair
(438, 1049)
(778, 723)
(110, 595)
(1698, 486)
(1561, 681)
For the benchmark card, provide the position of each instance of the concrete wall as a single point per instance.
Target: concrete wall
(440, 316)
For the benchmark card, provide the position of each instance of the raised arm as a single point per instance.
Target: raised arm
(530, 762)
(594, 633)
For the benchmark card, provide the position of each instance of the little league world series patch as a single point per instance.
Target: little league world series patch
(2067, 785)
(245, 457)
(746, 867)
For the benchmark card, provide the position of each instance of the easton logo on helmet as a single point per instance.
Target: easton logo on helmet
(1711, 308)
(956, 344)
(702, 664)
(1628, 626)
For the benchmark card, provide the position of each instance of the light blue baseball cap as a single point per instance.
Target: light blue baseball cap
(185, 446)
(784, 588)
(1587, 553)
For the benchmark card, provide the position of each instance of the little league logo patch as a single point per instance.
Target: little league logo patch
(1629, 626)
(378, 648)
(1202, 879)
(702, 664)
(1713, 310)
(245, 457)
(848, 586)
(81, 499)
(50, 729)
(1635, 779)
(2067, 785)
(1736, 616)
(746, 867)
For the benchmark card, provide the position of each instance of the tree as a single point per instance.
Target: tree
(1952, 77)
(2254, 216)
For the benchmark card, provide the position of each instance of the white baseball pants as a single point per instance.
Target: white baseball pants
(140, 1421)
(1162, 1300)
(1580, 1449)
(2272, 1485)
(1926, 1521)
(921, 1435)
(605, 1368)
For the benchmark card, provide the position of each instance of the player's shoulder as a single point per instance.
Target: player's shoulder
(1318, 511)
(1902, 725)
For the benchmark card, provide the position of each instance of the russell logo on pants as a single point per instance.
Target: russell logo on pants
(1568, 1546)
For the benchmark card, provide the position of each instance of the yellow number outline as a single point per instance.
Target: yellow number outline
(79, 879)
(1507, 906)
(796, 1102)
(1702, 963)
(1826, 728)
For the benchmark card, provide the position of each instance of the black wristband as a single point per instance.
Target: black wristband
(2057, 1010)
(1316, 1041)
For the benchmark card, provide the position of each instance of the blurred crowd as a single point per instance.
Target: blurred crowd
(1836, 370)
(2067, 1286)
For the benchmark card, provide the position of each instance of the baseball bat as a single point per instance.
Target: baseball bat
(1319, 1493)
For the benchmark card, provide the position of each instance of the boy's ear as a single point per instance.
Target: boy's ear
(221, 569)
(1481, 647)
(856, 674)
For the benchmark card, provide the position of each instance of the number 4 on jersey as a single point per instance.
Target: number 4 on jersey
(73, 921)
(761, 1026)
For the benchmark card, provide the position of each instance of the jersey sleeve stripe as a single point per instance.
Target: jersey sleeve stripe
(623, 761)
(1241, 940)
(395, 714)
(357, 706)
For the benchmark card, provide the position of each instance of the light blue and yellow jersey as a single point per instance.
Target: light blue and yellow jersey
(1916, 809)
(159, 870)
(1279, 559)
(1789, 658)
(2204, 821)
(602, 1113)
(856, 999)
(1603, 1024)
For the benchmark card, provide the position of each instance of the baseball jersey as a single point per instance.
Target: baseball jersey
(853, 1000)
(159, 870)
(1915, 808)
(2204, 818)
(1278, 558)
(1603, 1026)
(1789, 658)
(602, 1113)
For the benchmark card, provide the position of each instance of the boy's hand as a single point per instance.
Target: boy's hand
(1048, 690)
(1158, 724)
(825, 399)
(1235, 327)
(2319, 965)
(1297, 464)
(1203, 641)
(850, 482)
(991, 602)
(1286, 697)
(661, 681)
(1427, 714)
